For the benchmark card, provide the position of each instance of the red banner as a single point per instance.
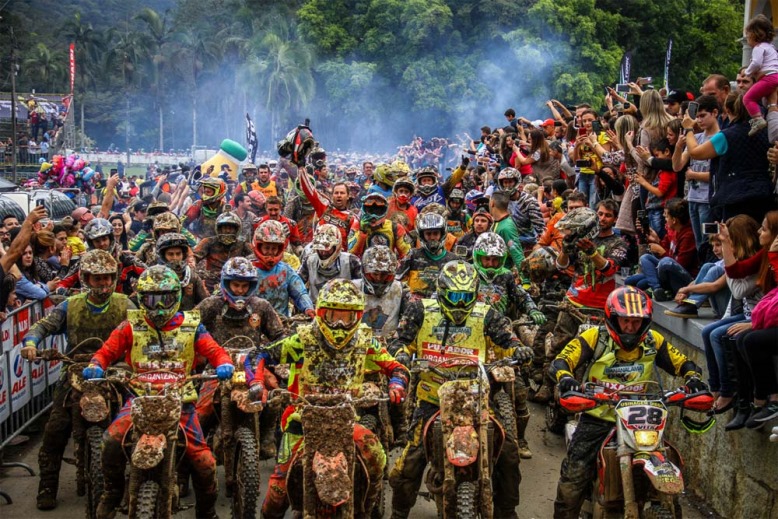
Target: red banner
(72, 67)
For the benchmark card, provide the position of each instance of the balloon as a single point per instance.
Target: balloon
(79, 164)
(70, 161)
(88, 174)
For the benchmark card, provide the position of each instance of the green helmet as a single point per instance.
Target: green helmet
(457, 290)
(489, 244)
(159, 294)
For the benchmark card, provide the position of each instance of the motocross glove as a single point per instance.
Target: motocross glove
(465, 161)
(396, 391)
(257, 392)
(92, 371)
(224, 372)
(538, 317)
(403, 358)
(523, 354)
(695, 385)
(567, 384)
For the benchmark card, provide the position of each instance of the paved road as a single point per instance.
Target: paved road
(538, 486)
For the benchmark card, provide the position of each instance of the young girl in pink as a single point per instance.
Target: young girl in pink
(763, 66)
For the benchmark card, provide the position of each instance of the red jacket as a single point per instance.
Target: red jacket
(680, 246)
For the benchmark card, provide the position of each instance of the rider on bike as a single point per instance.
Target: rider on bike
(429, 328)
(385, 298)
(623, 352)
(420, 268)
(155, 333)
(172, 252)
(95, 312)
(212, 252)
(163, 224)
(201, 216)
(327, 260)
(332, 355)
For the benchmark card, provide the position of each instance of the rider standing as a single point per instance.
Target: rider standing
(201, 216)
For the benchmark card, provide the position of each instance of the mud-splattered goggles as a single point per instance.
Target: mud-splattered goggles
(459, 298)
(158, 300)
(379, 277)
(337, 318)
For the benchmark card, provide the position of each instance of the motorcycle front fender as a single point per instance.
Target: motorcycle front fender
(93, 406)
(332, 478)
(149, 451)
(662, 473)
(462, 446)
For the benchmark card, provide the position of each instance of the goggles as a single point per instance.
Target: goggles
(339, 318)
(459, 298)
(376, 208)
(164, 300)
(379, 277)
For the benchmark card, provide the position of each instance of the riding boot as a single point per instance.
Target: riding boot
(114, 463)
(505, 514)
(546, 391)
(524, 451)
(205, 507)
(47, 495)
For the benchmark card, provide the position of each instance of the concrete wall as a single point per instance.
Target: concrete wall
(736, 473)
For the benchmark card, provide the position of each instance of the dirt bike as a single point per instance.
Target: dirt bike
(327, 476)
(98, 400)
(556, 416)
(462, 440)
(153, 446)
(238, 436)
(638, 471)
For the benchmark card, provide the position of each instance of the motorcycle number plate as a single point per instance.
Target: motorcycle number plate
(641, 414)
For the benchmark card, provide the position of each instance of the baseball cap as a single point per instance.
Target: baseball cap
(678, 96)
(548, 122)
(537, 123)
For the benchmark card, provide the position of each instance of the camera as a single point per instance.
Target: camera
(40, 202)
(622, 87)
(710, 228)
(645, 226)
(691, 110)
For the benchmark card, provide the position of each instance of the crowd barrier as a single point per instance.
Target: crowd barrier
(26, 388)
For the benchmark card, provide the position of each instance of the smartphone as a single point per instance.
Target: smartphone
(627, 106)
(40, 202)
(583, 163)
(692, 109)
(596, 127)
(622, 87)
(710, 228)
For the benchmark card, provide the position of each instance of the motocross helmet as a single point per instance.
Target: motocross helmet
(327, 243)
(269, 231)
(219, 190)
(431, 222)
(159, 294)
(238, 269)
(296, 146)
(399, 169)
(339, 310)
(96, 262)
(540, 264)
(379, 265)
(318, 156)
(374, 209)
(226, 220)
(457, 195)
(489, 244)
(580, 223)
(383, 174)
(98, 228)
(508, 174)
(258, 199)
(249, 172)
(171, 241)
(165, 223)
(628, 301)
(428, 172)
(156, 208)
(470, 199)
(457, 290)
(407, 184)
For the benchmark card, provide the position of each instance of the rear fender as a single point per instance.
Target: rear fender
(331, 478)
(149, 451)
(462, 446)
(662, 473)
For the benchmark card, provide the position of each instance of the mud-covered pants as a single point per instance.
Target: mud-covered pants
(368, 445)
(579, 468)
(200, 458)
(406, 475)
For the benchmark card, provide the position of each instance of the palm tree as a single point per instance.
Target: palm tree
(160, 35)
(45, 68)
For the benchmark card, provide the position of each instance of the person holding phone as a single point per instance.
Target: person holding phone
(587, 161)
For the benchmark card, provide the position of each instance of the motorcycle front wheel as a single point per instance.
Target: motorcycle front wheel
(555, 418)
(466, 505)
(148, 497)
(93, 462)
(246, 491)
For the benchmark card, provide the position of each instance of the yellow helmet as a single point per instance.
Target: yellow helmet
(339, 310)
(457, 290)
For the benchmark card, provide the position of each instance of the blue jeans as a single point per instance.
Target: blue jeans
(672, 276)
(656, 219)
(709, 273)
(718, 375)
(699, 213)
(586, 186)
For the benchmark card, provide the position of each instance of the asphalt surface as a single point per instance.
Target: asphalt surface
(538, 486)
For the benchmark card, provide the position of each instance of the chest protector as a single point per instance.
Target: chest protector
(439, 339)
(176, 354)
(382, 314)
(316, 279)
(494, 295)
(383, 235)
(269, 190)
(330, 371)
(82, 323)
(619, 374)
(204, 226)
(420, 202)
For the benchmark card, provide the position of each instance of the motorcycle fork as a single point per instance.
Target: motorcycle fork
(627, 481)
(227, 443)
(79, 449)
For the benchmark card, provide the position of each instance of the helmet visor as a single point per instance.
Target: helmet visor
(375, 208)
(459, 298)
(379, 278)
(338, 318)
(162, 300)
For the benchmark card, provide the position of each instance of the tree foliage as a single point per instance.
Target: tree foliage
(367, 72)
